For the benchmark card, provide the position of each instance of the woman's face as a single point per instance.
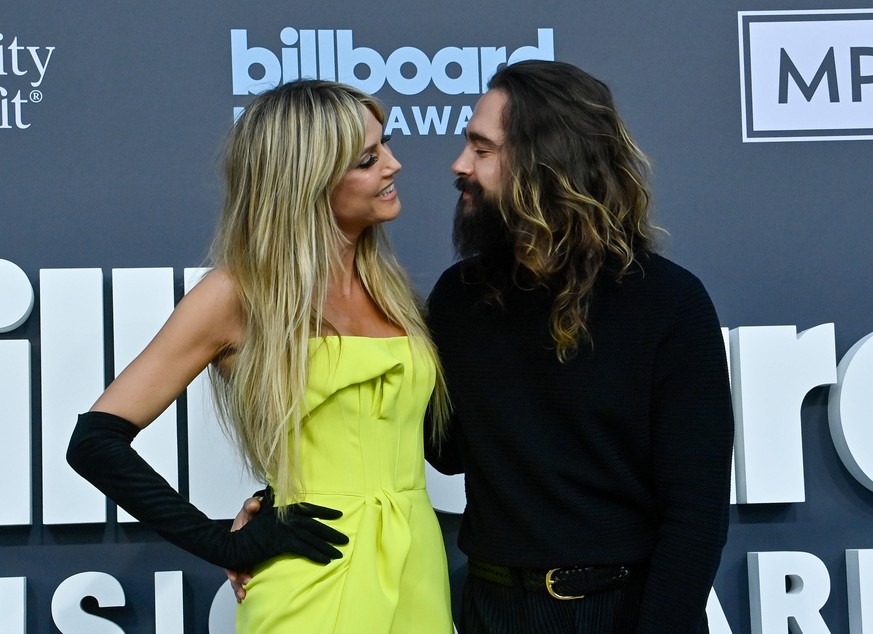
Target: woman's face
(366, 195)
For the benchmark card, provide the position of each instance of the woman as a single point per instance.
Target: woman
(323, 372)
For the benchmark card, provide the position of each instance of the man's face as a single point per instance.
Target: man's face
(481, 159)
(479, 227)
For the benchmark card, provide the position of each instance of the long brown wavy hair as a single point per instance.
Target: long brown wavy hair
(575, 196)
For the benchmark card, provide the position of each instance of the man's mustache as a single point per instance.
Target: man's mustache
(469, 186)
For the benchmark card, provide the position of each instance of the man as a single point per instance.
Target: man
(592, 414)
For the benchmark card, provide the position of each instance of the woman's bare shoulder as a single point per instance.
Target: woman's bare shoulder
(216, 302)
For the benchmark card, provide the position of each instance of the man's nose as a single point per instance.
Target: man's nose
(461, 166)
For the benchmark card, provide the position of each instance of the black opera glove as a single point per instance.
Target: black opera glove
(298, 533)
(100, 451)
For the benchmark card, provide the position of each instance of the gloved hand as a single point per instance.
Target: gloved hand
(100, 451)
(298, 532)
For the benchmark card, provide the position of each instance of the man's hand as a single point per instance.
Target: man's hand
(239, 577)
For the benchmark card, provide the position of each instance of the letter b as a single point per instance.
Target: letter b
(242, 58)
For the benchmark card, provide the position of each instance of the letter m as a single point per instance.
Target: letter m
(788, 69)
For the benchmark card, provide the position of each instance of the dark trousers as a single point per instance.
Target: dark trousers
(491, 608)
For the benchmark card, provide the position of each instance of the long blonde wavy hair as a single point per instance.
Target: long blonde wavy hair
(279, 240)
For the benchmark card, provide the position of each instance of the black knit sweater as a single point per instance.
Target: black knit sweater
(621, 455)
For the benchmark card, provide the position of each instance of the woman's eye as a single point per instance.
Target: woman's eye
(385, 139)
(369, 161)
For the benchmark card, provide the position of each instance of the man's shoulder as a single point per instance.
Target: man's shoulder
(454, 272)
(658, 285)
(446, 291)
(654, 284)
(452, 279)
(653, 269)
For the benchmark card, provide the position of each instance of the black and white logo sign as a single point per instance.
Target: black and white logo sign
(806, 75)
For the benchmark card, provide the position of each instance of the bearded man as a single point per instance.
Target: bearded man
(592, 411)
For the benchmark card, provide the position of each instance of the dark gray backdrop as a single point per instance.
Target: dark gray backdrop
(118, 169)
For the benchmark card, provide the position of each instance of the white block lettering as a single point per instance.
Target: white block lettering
(142, 300)
(67, 609)
(169, 603)
(13, 604)
(850, 411)
(773, 369)
(859, 581)
(71, 324)
(786, 592)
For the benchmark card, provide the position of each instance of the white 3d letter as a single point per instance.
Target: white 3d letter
(169, 603)
(13, 604)
(142, 300)
(786, 592)
(859, 579)
(772, 369)
(16, 304)
(222, 611)
(66, 603)
(850, 411)
(715, 615)
(217, 483)
(73, 376)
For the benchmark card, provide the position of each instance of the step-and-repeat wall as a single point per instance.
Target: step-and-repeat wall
(758, 119)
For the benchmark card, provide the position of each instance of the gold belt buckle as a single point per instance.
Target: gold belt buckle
(550, 582)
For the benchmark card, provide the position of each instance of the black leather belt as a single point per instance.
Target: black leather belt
(573, 582)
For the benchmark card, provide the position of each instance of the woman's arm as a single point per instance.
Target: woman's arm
(206, 322)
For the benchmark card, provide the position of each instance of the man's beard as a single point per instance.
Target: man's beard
(478, 227)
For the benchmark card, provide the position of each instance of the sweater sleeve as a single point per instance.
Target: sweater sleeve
(442, 454)
(692, 442)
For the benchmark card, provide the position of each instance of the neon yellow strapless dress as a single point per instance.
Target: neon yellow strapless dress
(362, 453)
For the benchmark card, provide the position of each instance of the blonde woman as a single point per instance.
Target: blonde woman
(323, 371)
